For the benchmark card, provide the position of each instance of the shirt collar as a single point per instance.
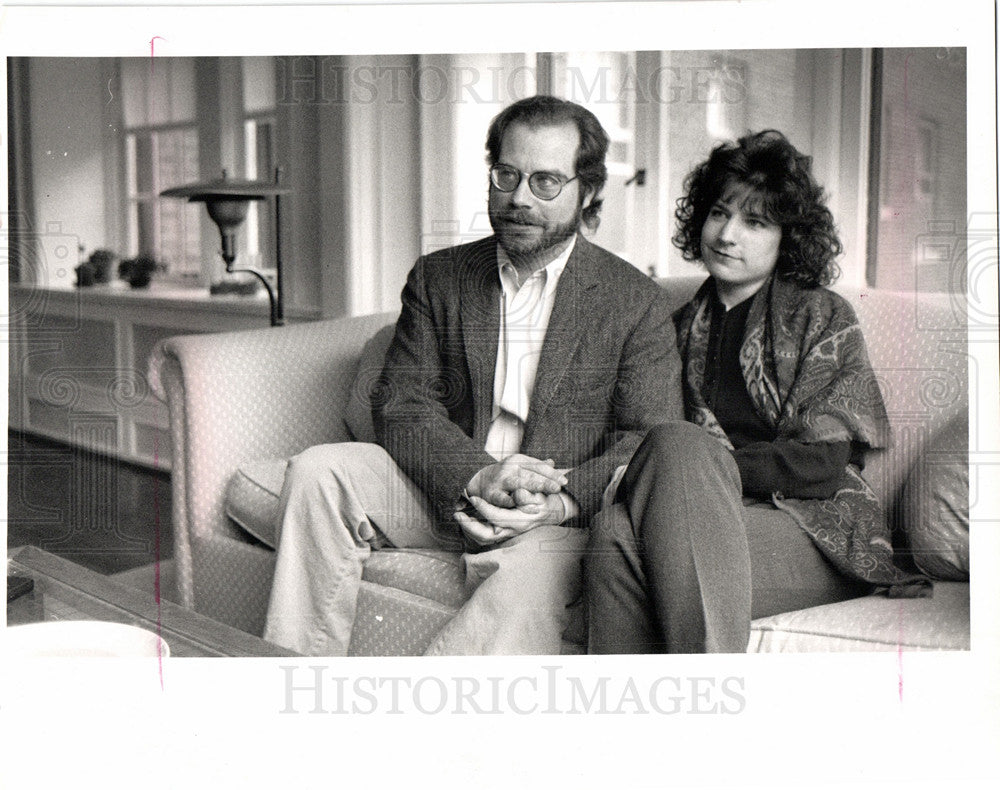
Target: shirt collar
(550, 272)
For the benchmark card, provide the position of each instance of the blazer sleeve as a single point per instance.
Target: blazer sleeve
(647, 393)
(410, 419)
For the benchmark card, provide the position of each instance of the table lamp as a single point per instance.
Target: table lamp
(227, 202)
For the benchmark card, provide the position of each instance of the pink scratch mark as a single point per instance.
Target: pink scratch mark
(152, 50)
(899, 653)
(156, 553)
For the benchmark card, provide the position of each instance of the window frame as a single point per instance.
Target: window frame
(214, 133)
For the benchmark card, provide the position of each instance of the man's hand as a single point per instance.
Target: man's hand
(497, 524)
(497, 482)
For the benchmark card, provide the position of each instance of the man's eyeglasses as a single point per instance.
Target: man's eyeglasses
(544, 186)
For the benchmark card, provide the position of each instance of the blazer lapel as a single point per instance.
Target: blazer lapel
(479, 311)
(573, 303)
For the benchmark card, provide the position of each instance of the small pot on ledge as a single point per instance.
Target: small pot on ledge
(96, 270)
(139, 271)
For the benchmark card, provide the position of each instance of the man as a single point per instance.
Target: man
(525, 368)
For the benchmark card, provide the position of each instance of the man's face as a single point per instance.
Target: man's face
(527, 226)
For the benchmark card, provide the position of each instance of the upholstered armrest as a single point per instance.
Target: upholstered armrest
(250, 395)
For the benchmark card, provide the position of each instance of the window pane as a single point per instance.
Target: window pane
(258, 84)
(157, 91)
(264, 148)
(178, 164)
(166, 228)
(600, 81)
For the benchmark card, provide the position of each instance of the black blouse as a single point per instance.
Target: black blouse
(767, 463)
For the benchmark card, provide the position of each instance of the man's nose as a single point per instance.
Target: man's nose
(522, 194)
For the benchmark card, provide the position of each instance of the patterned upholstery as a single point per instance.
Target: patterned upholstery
(252, 498)
(236, 397)
(393, 622)
(435, 575)
(871, 623)
(239, 399)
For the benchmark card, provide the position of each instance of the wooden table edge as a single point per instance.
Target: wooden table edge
(167, 615)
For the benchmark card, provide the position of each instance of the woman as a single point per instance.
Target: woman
(756, 505)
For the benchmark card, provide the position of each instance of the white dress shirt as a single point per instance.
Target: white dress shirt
(524, 318)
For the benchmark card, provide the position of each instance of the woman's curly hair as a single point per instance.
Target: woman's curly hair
(779, 181)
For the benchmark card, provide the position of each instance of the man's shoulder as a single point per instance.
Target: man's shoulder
(616, 274)
(478, 251)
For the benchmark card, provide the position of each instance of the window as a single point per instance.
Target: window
(600, 82)
(161, 151)
(180, 115)
(259, 154)
(917, 211)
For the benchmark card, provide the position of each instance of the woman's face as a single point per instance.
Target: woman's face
(739, 247)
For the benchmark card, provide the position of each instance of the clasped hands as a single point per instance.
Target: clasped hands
(513, 496)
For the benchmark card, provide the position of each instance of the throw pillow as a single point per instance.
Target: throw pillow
(358, 413)
(936, 505)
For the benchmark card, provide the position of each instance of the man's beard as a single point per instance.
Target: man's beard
(507, 224)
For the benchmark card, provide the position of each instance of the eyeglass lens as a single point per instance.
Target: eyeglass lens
(542, 185)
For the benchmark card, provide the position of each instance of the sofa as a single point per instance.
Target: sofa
(243, 402)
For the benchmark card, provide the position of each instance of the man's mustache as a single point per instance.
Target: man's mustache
(518, 218)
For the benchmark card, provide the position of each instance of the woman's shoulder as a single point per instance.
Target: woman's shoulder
(819, 303)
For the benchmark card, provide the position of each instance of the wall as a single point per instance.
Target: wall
(348, 139)
(69, 165)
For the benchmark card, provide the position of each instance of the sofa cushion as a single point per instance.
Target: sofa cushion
(392, 622)
(428, 573)
(936, 505)
(358, 411)
(252, 498)
(873, 622)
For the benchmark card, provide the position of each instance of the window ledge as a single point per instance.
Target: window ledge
(163, 295)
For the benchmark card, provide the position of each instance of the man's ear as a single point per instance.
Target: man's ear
(588, 198)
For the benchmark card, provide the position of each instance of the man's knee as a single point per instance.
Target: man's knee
(545, 551)
(550, 541)
(609, 529)
(680, 440)
(670, 450)
(342, 460)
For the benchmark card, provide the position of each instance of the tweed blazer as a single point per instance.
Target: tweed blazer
(609, 370)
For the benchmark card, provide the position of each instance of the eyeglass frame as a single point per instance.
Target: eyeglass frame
(522, 175)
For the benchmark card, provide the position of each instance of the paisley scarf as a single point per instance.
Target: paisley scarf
(807, 372)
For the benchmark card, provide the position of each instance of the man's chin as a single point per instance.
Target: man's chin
(529, 240)
(522, 239)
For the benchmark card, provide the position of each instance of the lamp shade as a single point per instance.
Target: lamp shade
(227, 202)
(225, 189)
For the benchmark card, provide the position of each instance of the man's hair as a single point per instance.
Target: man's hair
(536, 111)
(780, 185)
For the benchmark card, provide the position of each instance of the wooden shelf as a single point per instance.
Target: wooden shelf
(78, 360)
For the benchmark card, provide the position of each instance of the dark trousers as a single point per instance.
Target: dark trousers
(680, 565)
